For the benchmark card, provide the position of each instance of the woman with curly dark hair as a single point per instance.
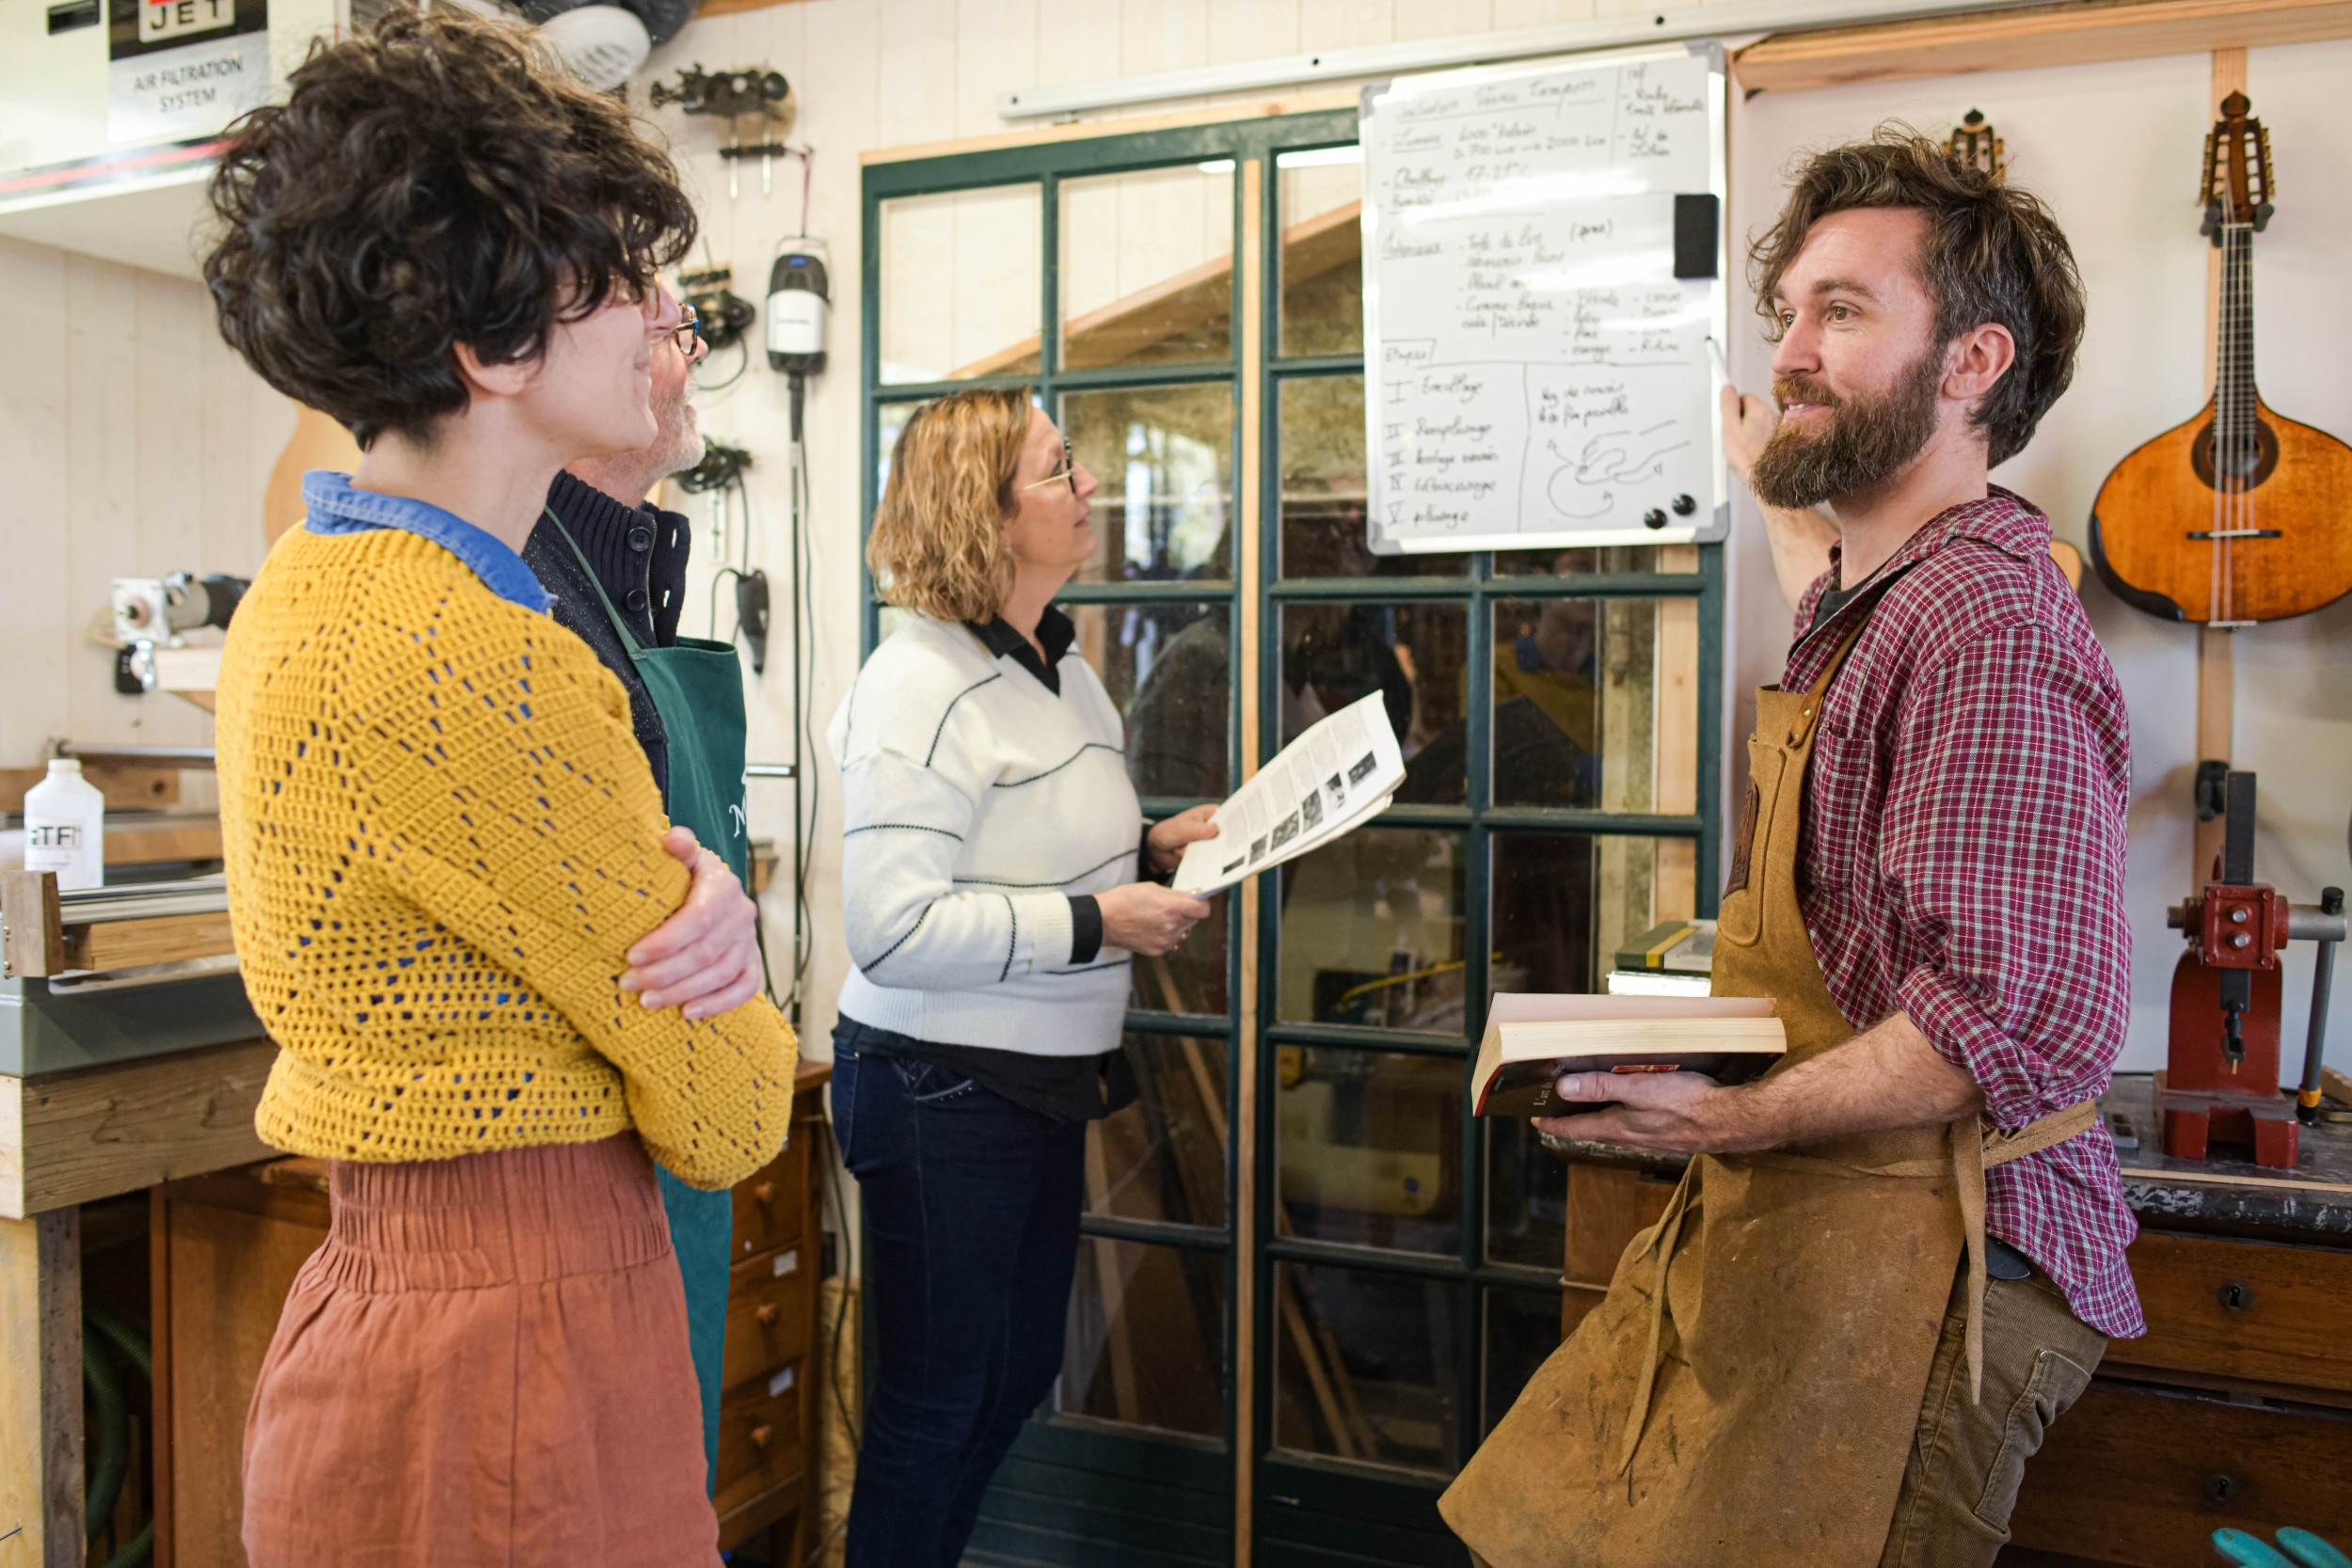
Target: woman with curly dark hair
(443, 840)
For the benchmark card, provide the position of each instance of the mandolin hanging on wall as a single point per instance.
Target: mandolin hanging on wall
(2238, 515)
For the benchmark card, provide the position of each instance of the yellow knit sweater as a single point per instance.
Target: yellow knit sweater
(441, 840)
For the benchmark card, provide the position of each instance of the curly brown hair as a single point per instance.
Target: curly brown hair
(435, 179)
(938, 544)
(1992, 253)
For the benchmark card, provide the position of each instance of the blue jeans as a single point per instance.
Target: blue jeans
(972, 1238)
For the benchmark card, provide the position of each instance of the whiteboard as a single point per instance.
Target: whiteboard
(1536, 375)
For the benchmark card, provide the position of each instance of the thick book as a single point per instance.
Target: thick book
(1531, 1040)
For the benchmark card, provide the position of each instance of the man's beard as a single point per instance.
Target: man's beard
(1868, 438)
(679, 436)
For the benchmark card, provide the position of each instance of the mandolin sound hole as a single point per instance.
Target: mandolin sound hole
(2246, 459)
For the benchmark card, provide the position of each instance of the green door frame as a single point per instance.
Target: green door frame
(1302, 1505)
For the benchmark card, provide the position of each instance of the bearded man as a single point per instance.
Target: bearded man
(1897, 1258)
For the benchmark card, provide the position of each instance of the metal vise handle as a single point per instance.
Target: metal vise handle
(2325, 927)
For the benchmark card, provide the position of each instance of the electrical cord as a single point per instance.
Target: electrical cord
(742, 363)
(828, 1160)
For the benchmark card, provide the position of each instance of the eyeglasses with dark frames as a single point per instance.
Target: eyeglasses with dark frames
(1067, 473)
(686, 334)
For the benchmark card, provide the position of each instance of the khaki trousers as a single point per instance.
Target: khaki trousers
(1968, 1457)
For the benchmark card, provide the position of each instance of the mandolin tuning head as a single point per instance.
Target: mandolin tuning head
(2237, 188)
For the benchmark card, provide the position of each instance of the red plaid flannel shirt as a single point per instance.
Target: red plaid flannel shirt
(1963, 857)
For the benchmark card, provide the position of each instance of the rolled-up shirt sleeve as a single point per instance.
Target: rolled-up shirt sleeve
(2004, 840)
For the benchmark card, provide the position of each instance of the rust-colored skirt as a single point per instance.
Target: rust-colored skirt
(485, 1365)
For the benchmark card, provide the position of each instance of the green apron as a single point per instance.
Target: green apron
(697, 688)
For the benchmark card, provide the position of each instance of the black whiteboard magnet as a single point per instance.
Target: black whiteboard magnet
(1685, 506)
(1697, 219)
(1654, 517)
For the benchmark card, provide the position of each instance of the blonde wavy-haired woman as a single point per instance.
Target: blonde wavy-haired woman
(989, 898)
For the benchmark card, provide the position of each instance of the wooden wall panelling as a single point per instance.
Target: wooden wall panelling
(32, 432)
(1077, 41)
(136, 444)
(2032, 38)
(996, 51)
(1162, 35)
(102, 411)
(915, 74)
(1250, 29)
(101, 1131)
(1438, 18)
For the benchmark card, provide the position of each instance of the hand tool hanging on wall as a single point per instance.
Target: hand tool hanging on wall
(734, 96)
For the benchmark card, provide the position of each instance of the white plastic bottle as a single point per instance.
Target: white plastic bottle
(65, 827)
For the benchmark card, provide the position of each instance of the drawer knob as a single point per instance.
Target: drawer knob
(2235, 1296)
(2221, 1489)
(765, 1192)
(761, 1436)
(767, 1314)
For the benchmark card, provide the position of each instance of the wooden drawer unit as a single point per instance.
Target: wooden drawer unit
(770, 1208)
(770, 1301)
(762, 1446)
(766, 1424)
(2250, 1311)
(2143, 1478)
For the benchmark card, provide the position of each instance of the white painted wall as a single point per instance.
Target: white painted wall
(2115, 150)
(136, 444)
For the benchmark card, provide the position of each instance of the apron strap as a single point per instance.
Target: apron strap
(1976, 1148)
(620, 628)
(1815, 695)
(1663, 1237)
(1809, 712)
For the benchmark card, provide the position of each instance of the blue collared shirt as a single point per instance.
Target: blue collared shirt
(337, 508)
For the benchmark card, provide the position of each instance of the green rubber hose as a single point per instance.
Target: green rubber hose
(113, 1437)
(114, 1445)
(129, 1340)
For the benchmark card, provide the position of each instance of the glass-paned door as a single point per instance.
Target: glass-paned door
(1557, 710)
(1309, 1281)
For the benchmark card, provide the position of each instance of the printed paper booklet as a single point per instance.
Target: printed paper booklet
(1329, 781)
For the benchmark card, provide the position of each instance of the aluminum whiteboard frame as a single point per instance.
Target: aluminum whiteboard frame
(1718, 525)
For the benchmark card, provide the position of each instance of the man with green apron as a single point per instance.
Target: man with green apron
(1897, 1258)
(616, 565)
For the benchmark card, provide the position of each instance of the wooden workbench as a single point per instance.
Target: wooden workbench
(2235, 1408)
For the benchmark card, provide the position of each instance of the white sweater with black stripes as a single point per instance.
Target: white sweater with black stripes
(975, 803)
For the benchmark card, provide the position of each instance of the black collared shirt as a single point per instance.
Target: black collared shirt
(1054, 632)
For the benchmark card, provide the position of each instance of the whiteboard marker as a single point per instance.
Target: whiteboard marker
(1721, 369)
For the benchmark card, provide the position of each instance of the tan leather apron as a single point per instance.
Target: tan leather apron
(1758, 1409)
